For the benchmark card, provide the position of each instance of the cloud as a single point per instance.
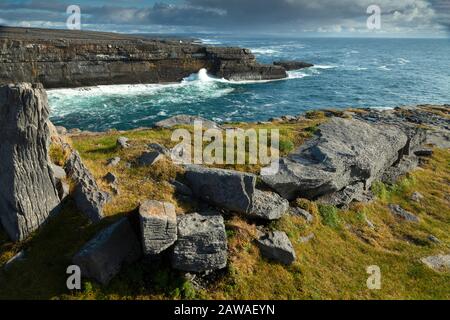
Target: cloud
(344, 16)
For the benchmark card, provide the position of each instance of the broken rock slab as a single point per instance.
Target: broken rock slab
(158, 222)
(201, 244)
(87, 195)
(277, 246)
(231, 190)
(267, 205)
(104, 255)
(148, 158)
(398, 211)
(342, 153)
(28, 191)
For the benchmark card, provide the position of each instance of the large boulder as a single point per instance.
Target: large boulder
(87, 194)
(158, 222)
(104, 255)
(227, 189)
(201, 244)
(343, 152)
(277, 246)
(28, 191)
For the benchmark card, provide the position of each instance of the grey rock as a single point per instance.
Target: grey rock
(231, 190)
(63, 189)
(275, 119)
(104, 255)
(439, 262)
(87, 195)
(20, 256)
(181, 188)
(417, 197)
(158, 222)
(123, 142)
(402, 213)
(58, 172)
(307, 238)
(277, 246)
(433, 239)
(369, 223)
(296, 211)
(113, 162)
(342, 153)
(160, 148)
(148, 158)
(201, 244)
(183, 119)
(62, 131)
(392, 174)
(28, 192)
(110, 178)
(267, 205)
(344, 197)
(424, 152)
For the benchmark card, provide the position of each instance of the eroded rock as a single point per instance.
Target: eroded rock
(439, 262)
(402, 213)
(277, 246)
(267, 205)
(201, 244)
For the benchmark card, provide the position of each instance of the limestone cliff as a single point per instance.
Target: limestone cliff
(63, 58)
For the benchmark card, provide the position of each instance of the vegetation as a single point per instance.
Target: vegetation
(330, 266)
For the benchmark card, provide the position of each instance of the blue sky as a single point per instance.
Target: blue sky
(399, 18)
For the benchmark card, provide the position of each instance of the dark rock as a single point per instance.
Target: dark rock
(201, 244)
(110, 178)
(231, 190)
(392, 174)
(438, 263)
(63, 189)
(181, 188)
(343, 152)
(424, 152)
(402, 213)
(104, 255)
(28, 192)
(158, 222)
(277, 246)
(87, 194)
(267, 205)
(296, 211)
(149, 158)
(188, 120)
(293, 65)
(433, 239)
(113, 162)
(122, 142)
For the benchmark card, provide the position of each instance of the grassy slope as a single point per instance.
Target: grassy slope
(332, 265)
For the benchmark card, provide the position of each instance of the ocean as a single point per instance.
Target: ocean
(380, 73)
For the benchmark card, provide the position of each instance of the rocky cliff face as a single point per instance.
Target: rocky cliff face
(62, 58)
(28, 193)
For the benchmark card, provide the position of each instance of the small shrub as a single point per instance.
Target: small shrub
(286, 146)
(380, 190)
(329, 215)
(315, 114)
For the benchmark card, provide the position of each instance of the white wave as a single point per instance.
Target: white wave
(265, 51)
(403, 61)
(297, 74)
(385, 68)
(210, 41)
(322, 66)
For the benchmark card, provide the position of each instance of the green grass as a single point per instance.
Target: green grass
(330, 266)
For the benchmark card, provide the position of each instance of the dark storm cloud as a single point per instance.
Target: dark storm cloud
(261, 15)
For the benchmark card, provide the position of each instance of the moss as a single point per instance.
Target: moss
(330, 215)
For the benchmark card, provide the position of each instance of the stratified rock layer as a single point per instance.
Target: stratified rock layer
(201, 244)
(63, 58)
(28, 193)
(158, 222)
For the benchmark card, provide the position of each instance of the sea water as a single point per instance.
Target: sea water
(382, 73)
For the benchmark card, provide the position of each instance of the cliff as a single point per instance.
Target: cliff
(63, 58)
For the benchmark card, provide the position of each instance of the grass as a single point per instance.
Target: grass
(330, 266)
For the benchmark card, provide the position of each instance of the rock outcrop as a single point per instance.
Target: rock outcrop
(28, 191)
(277, 246)
(231, 190)
(201, 244)
(63, 58)
(104, 255)
(293, 65)
(184, 119)
(87, 194)
(158, 222)
(343, 153)
(267, 205)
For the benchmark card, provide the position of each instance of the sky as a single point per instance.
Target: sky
(399, 18)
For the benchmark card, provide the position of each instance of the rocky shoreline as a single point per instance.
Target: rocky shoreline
(338, 165)
(68, 59)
